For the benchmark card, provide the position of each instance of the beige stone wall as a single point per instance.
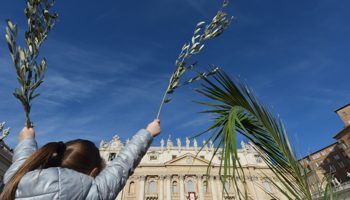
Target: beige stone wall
(5, 160)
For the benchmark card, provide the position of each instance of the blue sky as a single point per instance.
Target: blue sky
(109, 63)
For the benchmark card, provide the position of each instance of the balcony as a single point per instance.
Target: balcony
(151, 196)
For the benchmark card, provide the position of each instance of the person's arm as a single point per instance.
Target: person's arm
(113, 178)
(25, 148)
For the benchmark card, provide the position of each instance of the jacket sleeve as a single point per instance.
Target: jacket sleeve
(23, 150)
(113, 178)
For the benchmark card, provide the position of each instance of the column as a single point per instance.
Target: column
(168, 187)
(252, 180)
(161, 187)
(213, 190)
(200, 187)
(219, 187)
(182, 187)
(142, 188)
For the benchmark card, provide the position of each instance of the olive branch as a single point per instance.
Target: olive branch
(4, 131)
(202, 33)
(30, 72)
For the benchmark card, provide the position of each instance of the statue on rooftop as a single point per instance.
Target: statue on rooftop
(162, 144)
(178, 141)
(169, 143)
(188, 142)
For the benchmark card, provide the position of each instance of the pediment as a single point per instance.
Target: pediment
(186, 160)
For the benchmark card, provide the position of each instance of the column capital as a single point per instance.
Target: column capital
(161, 177)
(181, 176)
(142, 178)
(168, 177)
(199, 176)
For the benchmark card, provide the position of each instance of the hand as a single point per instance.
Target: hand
(26, 133)
(154, 127)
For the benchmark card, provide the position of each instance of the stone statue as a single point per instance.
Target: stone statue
(188, 143)
(211, 145)
(178, 141)
(195, 144)
(102, 143)
(169, 143)
(242, 145)
(205, 145)
(162, 144)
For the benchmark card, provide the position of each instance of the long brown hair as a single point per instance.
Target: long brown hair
(80, 155)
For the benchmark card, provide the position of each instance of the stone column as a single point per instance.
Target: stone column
(142, 188)
(200, 187)
(213, 190)
(168, 187)
(219, 187)
(182, 187)
(161, 187)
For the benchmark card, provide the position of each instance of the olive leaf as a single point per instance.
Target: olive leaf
(29, 69)
(201, 34)
(4, 131)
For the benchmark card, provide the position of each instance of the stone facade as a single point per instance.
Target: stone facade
(5, 159)
(179, 171)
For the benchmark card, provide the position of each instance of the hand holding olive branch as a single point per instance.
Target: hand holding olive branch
(30, 74)
(201, 33)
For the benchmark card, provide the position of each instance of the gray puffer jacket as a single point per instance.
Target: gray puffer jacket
(66, 184)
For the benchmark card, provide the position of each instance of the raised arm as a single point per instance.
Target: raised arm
(25, 148)
(113, 178)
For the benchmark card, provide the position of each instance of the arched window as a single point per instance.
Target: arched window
(152, 187)
(205, 186)
(174, 187)
(267, 187)
(132, 188)
(190, 186)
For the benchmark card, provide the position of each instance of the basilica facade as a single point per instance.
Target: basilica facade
(180, 172)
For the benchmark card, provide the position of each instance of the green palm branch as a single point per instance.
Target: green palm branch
(236, 110)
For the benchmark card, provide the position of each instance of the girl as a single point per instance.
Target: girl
(72, 170)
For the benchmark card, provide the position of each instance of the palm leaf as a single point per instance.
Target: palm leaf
(237, 111)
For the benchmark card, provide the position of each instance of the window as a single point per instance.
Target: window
(336, 157)
(258, 159)
(343, 145)
(332, 169)
(190, 186)
(341, 164)
(267, 187)
(153, 157)
(151, 188)
(111, 156)
(316, 156)
(132, 188)
(174, 187)
(205, 186)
